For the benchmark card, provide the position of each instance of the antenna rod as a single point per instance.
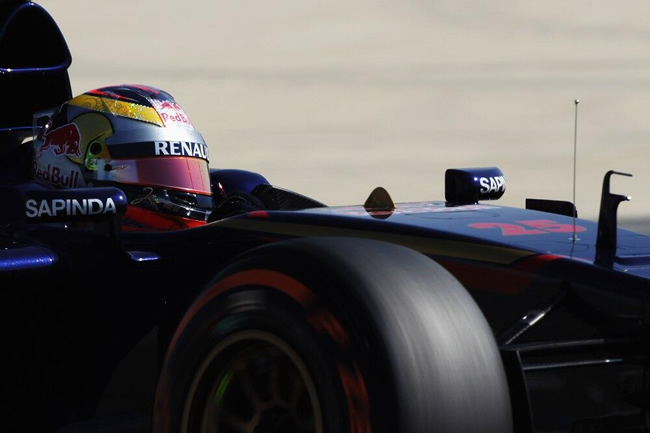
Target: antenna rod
(575, 149)
(575, 157)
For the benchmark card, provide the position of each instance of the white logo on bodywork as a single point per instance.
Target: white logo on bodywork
(492, 184)
(69, 207)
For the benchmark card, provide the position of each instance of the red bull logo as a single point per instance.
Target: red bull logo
(56, 176)
(64, 140)
(176, 117)
(166, 105)
(171, 113)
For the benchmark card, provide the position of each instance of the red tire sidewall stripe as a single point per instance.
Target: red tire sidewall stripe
(352, 380)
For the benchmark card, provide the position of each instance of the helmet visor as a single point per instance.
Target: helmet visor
(188, 174)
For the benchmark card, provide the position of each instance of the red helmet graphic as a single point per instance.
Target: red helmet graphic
(65, 140)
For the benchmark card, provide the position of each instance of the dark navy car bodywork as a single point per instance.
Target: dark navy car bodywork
(86, 309)
(573, 333)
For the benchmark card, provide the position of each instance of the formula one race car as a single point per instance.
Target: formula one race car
(283, 314)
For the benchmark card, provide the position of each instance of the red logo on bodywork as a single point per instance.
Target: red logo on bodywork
(64, 140)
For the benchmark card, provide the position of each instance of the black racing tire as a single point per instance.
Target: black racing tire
(325, 335)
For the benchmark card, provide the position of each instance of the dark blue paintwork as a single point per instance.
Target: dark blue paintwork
(229, 181)
(34, 61)
(526, 230)
(17, 258)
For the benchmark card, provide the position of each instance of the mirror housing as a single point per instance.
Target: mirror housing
(471, 185)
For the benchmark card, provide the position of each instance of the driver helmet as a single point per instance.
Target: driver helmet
(133, 137)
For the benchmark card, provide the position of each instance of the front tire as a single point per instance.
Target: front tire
(333, 335)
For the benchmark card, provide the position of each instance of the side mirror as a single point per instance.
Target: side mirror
(471, 185)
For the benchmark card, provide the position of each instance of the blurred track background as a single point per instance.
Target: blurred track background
(334, 98)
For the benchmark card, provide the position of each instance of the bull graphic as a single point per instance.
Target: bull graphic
(166, 105)
(65, 140)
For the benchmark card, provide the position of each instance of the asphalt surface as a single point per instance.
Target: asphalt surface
(332, 99)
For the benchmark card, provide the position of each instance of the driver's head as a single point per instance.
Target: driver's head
(133, 137)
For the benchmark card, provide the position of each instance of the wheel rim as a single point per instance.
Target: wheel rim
(252, 382)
